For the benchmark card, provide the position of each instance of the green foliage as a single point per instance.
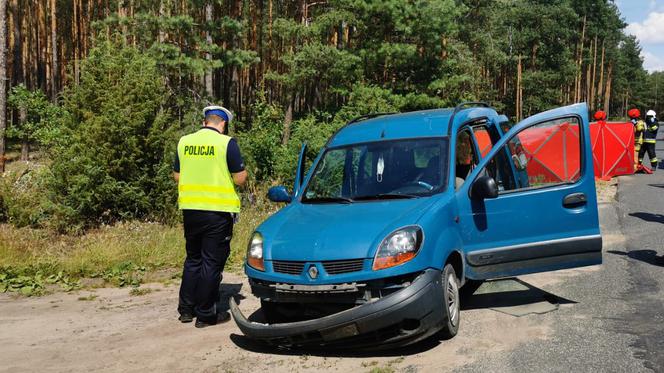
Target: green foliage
(38, 119)
(123, 274)
(261, 143)
(22, 199)
(110, 161)
(33, 284)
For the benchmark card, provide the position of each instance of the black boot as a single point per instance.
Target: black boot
(221, 318)
(186, 317)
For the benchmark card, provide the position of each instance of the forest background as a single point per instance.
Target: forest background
(97, 92)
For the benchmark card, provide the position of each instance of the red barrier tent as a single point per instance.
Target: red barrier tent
(613, 148)
(552, 153)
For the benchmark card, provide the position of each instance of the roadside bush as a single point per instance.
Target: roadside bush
(22, 199)
(110, 163)
(261, 144)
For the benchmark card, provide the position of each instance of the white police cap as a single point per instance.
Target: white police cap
(220, 111)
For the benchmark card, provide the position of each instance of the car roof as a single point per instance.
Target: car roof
(424, 123)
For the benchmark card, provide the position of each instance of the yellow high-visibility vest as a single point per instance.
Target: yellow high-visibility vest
(205, 181)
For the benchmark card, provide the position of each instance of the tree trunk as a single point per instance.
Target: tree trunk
(208, 56)
(591, 99)
(25, 144)
(162, 13)
(600, 85)
(25, 150)
(607, 91)
(579, 64)
(75, 41)
(18, 44)
(54, 52)
(3, 81)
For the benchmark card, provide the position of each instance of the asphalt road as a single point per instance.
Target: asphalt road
(617, 321)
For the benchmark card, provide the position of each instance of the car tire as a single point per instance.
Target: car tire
(451, 300)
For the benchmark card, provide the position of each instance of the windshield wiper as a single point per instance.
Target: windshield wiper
(328, 200)
(387, 196)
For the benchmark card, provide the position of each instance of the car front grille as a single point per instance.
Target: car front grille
(288, 267)
(332, 267)
(336, 267)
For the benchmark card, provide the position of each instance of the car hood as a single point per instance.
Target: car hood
(316, 232)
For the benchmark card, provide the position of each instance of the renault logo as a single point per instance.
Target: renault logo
(313, 272)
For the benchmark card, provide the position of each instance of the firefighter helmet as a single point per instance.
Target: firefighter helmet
(600, 115)
(651, 113)
(634, 113)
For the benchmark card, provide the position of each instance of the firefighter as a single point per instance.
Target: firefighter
(207, 167)
(600, 117)
(649, 139)
(639, 127)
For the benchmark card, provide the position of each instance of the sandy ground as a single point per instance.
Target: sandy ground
(108, 329)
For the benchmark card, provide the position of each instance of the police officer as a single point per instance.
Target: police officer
(649, 139)
(207, 167)
(639, 127)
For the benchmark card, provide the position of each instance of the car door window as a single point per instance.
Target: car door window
(466, 158)
(483, 139)
(546, 154)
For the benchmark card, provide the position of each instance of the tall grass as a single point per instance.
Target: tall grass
(150, 245)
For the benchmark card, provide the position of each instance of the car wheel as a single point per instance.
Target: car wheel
(451, 306)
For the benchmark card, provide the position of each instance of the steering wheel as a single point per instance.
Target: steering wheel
(419, 183)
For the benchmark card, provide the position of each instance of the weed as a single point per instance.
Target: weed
(387, 369)
(88, 298)
(29, 284)
(137, 292)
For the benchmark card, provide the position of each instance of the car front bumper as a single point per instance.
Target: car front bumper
(401, 318)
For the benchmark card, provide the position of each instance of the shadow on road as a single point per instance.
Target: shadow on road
(646, 216)
(507, 293)
(646, 256)
(658, 185)
(226, 292)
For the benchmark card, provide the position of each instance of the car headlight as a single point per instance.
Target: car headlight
(255, 252)
(398, 247)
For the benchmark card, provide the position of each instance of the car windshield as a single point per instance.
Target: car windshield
(379, 170)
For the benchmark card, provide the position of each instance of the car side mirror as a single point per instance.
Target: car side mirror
(484, 187)
(279, 194)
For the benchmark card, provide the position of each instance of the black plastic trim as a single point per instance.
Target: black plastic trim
(421, 301)
(537, 250)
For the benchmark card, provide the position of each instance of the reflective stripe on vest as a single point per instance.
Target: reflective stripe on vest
(205, 181)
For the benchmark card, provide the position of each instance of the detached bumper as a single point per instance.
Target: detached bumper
(401, 318)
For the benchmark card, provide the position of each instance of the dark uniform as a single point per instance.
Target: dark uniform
(649, 142)
(208, 202)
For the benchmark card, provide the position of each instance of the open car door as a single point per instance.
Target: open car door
(519, 215)
(300, 171)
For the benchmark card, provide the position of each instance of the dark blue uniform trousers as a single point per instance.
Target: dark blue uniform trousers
(208, 237)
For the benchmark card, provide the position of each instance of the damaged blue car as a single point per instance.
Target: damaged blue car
(398, 211)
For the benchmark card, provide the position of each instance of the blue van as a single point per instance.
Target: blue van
(398, 211)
